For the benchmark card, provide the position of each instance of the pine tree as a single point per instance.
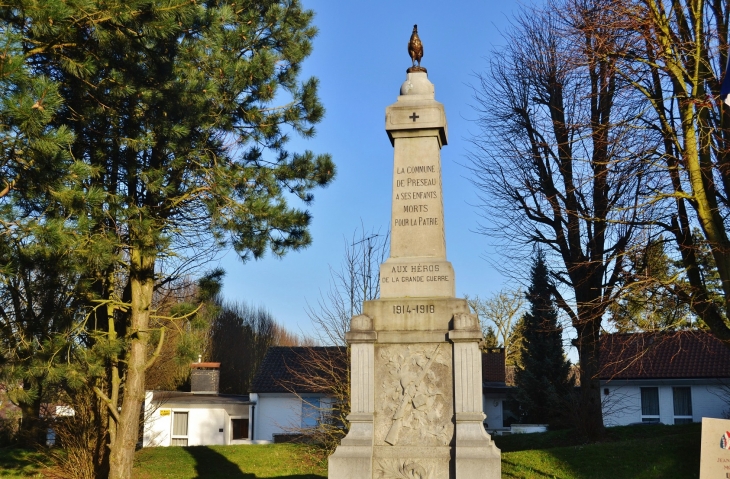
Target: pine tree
(38, 291)
(178, 149)
(543, 383)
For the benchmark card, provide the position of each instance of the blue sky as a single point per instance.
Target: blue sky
(360, 58)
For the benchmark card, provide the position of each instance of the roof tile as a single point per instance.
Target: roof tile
(664, 355)
(300, 369)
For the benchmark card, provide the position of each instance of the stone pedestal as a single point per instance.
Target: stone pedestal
(416, 381)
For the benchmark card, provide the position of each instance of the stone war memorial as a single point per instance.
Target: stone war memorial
(416, 371)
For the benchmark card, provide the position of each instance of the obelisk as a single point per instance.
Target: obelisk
(416, 382)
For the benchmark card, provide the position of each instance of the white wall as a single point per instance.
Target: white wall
(710, 401)
(492, 404)
(281, 413)
(622, 406)
(208, 425)
(275, 413)
(157, 427)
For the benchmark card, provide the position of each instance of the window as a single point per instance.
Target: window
(649, 404)
(239, 429)
(682, 405)
(179, 429)
(310, 412)
(510, 413)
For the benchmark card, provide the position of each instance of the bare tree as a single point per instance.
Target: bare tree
(678, 52)
(326, 369)
(502, 311)
(183, 311)
(557, 131)
(239, 337)
(356, 280)
(321, 370)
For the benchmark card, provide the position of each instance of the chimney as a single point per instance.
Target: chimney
(493, 365)
(204, 377)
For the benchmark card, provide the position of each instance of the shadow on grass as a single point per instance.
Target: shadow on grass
(653, 458)
(657, 457)
(20, 461)
(569, 438)
(210, 464)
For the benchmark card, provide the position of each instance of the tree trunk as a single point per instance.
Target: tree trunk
(32, 432)
(590, 414)
(141, 280)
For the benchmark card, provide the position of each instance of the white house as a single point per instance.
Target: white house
(289, 390)
(495, 391)
(198, 418)
(668, 378)
(289, 393)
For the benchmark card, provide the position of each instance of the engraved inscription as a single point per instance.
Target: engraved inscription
(415, 182)
(414, 274)
(410, 195)
(416, 308)
(416, 195)
(420, 221)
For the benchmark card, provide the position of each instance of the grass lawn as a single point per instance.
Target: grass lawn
(631, 452)
(15, 463)
(226, 462)
(638, 452)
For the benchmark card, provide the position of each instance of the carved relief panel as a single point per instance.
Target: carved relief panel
(413, 394)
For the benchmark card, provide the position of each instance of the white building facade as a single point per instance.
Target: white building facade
(285, 414)
(202, 417)
(673, 377)
(678, 401)
(284, 402)
(187, 419)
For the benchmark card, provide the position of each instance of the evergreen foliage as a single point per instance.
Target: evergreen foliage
(139, 136)
(543, 379)
(648, 302)
(654, 295)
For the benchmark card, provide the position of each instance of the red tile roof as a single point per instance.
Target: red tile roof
(680, 354)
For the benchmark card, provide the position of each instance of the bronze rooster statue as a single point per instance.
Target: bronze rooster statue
(415, 47)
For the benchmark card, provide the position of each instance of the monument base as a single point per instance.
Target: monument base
(351, 462)
(476, 453)
(416, 392)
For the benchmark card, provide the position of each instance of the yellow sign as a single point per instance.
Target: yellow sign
(164, 412)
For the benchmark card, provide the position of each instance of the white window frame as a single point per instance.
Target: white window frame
(690, 417)
(187, 428)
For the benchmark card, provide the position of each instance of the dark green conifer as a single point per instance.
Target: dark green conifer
(178, 115)
(543, 377)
